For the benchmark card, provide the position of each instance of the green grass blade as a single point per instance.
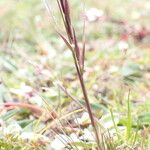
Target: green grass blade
(129, 118)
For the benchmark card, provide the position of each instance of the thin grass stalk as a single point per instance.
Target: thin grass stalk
(84, 91)
(83, 48)
(79, 126)
(129, 119)
(63, 140)
(72, 43)
(115, 126)
(136, 134)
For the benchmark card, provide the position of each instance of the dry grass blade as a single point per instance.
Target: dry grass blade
(36, 110)
(65, 40)
(54, 122)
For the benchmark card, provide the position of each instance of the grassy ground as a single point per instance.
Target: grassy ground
(34, 61)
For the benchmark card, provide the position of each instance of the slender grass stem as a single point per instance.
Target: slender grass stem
(78, 56)
(129, 119)
(84, 91)
(115, 126)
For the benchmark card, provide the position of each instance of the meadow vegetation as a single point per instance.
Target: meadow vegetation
(74, 76)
